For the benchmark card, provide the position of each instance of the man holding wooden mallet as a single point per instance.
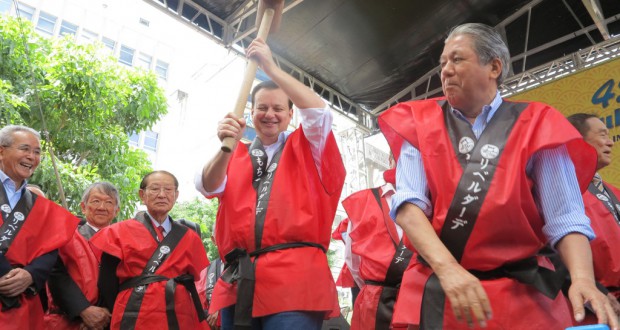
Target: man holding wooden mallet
(278, 196)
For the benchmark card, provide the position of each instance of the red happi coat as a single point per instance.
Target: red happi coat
(372, 240)
(345, 278)
(82, 262)
(301, 208)
(209, 276)
(606, 245)
(492, 244)
(201, 284)
(133, 244)
(47, 227)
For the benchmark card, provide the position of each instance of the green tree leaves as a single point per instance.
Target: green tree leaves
(86, 102)
(201, 211)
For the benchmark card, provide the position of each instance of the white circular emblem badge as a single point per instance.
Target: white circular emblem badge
(272, 167)
(489, 151)
(19, 216)
(466, 145)
(257, 153)
(164, 249)
(602, 197)
(5, 208)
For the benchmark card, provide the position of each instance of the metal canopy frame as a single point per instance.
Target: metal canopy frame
(535, 76)
(235, 32)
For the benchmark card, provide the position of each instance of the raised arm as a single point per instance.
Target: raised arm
(302, 96)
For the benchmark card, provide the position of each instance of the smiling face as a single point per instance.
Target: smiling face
(271, 114)
(21, 158)
(100, 209)
(598, 137)
(467, 84)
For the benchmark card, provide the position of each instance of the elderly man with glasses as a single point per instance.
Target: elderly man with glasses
(146, 257)
(72, 287)
(32, 228)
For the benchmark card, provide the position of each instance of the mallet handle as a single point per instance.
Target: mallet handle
(250, 73)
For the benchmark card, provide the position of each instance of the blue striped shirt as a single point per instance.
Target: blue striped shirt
(556, 190)
(12, 193)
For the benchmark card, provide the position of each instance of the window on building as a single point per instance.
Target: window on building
(109, 43)
(144, 21)
(134, 139)
(67, 28)
(150, 140)
(5, 6)
(87, 36)
(25, 11)
(161, 68)
(46, 23)
(145, 60)
(126, 55)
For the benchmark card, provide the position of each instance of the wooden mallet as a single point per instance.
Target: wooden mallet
(269, 15)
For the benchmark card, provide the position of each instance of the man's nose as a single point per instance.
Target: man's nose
(447, 69)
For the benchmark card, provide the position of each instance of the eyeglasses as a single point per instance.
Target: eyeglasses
(26, 149)
(97, 203)
(154, 191)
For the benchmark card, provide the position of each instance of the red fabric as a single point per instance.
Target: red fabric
(160, 233)
(47, 227)
(82, 263)
(133, 244)
(59, 322)
(301, 207)
(341, 228)
(606, 245)
(509, 200)
(201, 287)
(371, 240)
(345, 278)
(390, 176)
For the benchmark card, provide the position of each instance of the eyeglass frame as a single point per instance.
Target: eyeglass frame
(27, 149)
(156, 191)
(98, 202)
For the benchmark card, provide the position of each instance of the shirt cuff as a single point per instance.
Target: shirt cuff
(200, 187)
(315, 117)
(410, 197)
(567, 224)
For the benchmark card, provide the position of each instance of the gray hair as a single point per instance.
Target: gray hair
(488, 45)
(6, 133)
(104, 187)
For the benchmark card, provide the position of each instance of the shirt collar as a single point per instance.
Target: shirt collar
(597, 178)
(6, 181)
(387, 189)
(281, 139)
(166, 224)
(91, 226)
(488, 110)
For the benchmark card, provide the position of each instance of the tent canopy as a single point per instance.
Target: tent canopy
(361, 53)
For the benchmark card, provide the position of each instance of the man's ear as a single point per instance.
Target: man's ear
(496, 68)
(142, 194)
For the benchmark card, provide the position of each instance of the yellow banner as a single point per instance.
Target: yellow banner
(596, 91)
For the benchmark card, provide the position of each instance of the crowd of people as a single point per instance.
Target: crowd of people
(492, 215)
